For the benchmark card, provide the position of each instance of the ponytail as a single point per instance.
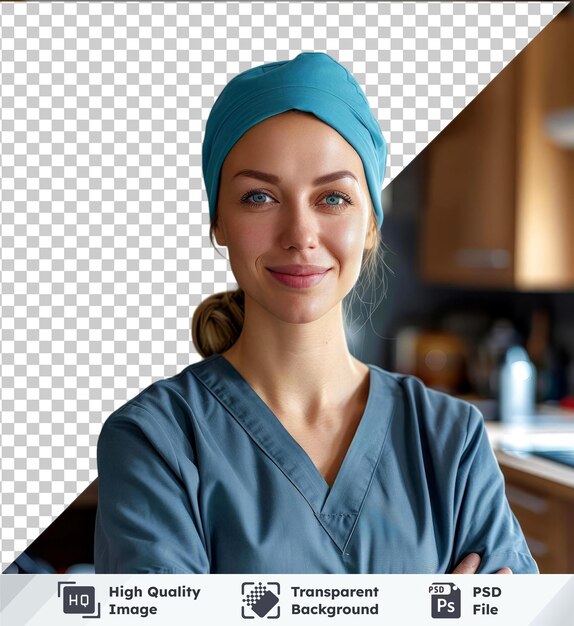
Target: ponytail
(217, 322)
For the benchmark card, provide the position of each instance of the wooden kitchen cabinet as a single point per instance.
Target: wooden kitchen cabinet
(499, 202)
(545, 510)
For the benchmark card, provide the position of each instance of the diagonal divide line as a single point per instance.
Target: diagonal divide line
(15, 613)
(11, 586)
(560, 607)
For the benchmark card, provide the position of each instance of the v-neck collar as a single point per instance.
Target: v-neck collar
(337, 508)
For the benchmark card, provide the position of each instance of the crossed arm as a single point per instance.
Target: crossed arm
(470, 564)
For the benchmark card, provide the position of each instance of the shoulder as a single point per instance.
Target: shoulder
(443, 418)
(166, 408)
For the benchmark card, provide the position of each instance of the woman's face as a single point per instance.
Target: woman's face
(286, 217)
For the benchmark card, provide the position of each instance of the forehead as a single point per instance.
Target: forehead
(295, 141)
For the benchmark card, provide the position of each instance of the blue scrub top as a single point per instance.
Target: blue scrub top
(197, 475)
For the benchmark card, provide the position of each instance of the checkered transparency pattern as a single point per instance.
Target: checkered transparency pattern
(104, 220)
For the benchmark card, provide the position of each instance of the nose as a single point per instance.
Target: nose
(299, 227)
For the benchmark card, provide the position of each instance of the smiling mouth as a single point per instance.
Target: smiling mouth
(299, 270)
(298, 281)
(297, 274)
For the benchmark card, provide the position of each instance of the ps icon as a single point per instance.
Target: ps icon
(445, 600)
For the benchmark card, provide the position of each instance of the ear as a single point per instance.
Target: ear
(219, 236)
(371, 238)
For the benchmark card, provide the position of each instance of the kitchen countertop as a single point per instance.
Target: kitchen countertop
(549, 430)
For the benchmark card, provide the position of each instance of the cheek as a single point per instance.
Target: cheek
(347, 240)
(248, 242)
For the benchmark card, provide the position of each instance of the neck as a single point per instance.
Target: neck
(301, 369)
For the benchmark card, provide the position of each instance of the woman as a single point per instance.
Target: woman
(279, 451)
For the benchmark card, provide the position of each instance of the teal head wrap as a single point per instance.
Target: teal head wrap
(312, 82)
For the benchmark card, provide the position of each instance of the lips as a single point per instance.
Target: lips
(299, 270)
(299, 276)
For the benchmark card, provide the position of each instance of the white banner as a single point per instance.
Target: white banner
(233, 599)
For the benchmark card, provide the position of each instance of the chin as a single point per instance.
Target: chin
(294, 308)
(299, 314)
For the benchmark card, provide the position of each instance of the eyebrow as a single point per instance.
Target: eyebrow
(274, 180)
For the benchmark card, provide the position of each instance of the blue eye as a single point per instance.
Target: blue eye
(337, 194)
(338, 197)
(261, 197)
(258, 195)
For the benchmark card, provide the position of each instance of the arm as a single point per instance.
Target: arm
(148, 517)
(470, 564)
(485, 523)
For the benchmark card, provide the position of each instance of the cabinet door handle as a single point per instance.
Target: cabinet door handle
(526, 500)
(482, 258)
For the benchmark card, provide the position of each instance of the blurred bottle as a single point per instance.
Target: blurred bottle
(484, 367)
(517, 387)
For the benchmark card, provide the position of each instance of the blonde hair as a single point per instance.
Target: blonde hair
(218, 320)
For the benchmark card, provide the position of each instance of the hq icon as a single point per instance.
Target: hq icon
(445, 600)
(78, 599)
